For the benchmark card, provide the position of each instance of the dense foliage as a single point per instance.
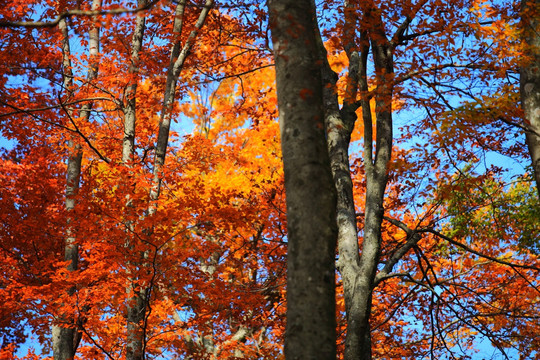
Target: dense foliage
(183, 255)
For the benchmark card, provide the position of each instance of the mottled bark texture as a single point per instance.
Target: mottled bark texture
(128, 142)
(360, 36)
(358, 271)
(311, 197)
(376, 169)
(530, 81)
(64, 335)
(339, 126)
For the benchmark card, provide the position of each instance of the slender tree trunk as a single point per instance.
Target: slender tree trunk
(530, 81)
(178, 57)
(66, 338)
(376, 180)
(311, 196)
(128, 142)
(376, 168)
(358, 271)
(137, 300)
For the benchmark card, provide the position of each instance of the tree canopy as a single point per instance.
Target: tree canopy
(232, 179)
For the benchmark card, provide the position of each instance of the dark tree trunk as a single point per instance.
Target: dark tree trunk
(311, 196)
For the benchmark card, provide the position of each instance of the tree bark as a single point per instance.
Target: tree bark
(63, 336)
(137, 300)
(137, 303)
(530, 81)
(339, 126)
(358, 271)
(128, 143)
(178, 57)
(376, 169)
(311, 196)
(66, 338)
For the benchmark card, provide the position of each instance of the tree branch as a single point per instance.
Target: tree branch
(471, 250)
(412, 239)
(75, 12)
(86, 140)
(45, 108)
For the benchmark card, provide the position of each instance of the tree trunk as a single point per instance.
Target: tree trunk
(376, 173)
(66, 338)
(63, 336)
(137, 301)
(358, 272)
(128, 143)
(530, 81)
(311, 197)
(137, 304)
(339, 126)
(178, 57)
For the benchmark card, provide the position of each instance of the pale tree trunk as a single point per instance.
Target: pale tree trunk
(66, 338)
(358, 271)
(530, 81)
(178, 57)
(376, 167)
(137, 300)
(311, 196)
(339, 126)
(128, 142)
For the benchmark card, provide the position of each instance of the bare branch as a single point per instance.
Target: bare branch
(45, 108)
(411, 74)
(525, 127)
(75, 12)
(237, 75)
(461, 28)
(399, 37)
(412, 239)
(471, 250)
(396, 308)
(84, 137)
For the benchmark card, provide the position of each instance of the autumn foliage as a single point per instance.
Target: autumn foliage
(201, 242)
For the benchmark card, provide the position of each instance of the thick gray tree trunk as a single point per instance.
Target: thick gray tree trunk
(530, 81)
(66, 338)
(311, 197)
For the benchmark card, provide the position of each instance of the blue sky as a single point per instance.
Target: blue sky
(185, 127)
